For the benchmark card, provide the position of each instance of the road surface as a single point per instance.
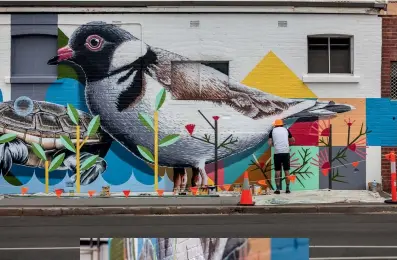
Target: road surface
(332, 236)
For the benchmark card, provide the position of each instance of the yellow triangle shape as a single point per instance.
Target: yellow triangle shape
(271, 75)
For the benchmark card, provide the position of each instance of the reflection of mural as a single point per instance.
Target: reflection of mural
(123, 81)
(209, 248)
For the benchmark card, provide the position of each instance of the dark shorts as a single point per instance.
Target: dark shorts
(281, 159)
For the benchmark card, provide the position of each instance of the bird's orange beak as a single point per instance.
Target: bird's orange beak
(64, 53)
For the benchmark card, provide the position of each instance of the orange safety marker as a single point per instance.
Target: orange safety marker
(160, 192)
(226, 187)
(24, 190)
(91, 193)
(126, 193)
(58, 192)
(246, 195)
(392, 158)
(194, 190)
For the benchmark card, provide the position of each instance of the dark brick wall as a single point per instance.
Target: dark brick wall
(389, 54)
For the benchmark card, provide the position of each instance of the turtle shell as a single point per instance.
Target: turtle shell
(44, 124)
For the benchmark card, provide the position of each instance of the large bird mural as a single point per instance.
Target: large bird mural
(124, 74)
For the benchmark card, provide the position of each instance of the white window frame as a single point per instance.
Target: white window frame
(329, 36)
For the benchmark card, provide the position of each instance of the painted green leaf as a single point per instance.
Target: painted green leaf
(7, 138)
(73, 114)
(68, 143)
(56, 162)
(160, 98)
(145, 153)
(38, 151)
(90, 161)
(168, 140)
(146, 121)
(93, 126)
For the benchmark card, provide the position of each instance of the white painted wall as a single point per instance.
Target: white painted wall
(5, 57)
(245, 39)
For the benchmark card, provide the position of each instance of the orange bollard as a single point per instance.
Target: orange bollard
(246, 195)
(91, 193)
(58, 192)
(24, 190)
(160, 192)
(194, 190)
(392, 158)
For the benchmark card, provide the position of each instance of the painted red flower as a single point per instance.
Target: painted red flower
(349, 122)
(294, 161)
(216, 118)
(190, 128)
(262, 164)
(321, 128)
(359, 147)
(322, 161)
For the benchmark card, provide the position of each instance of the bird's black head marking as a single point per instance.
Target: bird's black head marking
(91, 46)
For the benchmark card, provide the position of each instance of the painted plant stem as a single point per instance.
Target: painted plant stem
(78, 146)
(156, 150)
(55, 163)
(330, 156)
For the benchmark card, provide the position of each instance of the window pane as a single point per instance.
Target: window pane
(30, 54)
(318, 55)
(222, 66)
(340, 55)
(393, 80)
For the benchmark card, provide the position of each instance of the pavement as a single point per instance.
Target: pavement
(319, 201)
(332, 236)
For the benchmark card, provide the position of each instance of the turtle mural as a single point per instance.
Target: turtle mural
(43, 123)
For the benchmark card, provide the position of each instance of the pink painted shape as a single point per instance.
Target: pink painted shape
(210, 169)
(305, 133)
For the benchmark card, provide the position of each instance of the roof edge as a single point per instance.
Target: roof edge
(380, 4)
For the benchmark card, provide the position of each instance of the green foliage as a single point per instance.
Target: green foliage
(93, 126)
(58, 160)
(68, 143)
(168, 140)
(73, 114)
(160, 98)
(7, 138)
(38, 151)
(89, 162)
(146, 121)
(145, 153)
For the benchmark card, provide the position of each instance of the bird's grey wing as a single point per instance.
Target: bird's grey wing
(196, 81)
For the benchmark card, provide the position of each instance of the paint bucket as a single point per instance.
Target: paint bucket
(256, 189)
(211, 190)
(237, 188)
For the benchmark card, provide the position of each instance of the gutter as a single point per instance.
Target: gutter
(380, 4)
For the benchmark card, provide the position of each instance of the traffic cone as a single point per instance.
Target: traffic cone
(246, 195)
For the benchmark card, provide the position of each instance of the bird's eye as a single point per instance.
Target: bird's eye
(94, 43)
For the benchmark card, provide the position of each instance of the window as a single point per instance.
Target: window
(33, 41)
(393, 80)
(329, 54)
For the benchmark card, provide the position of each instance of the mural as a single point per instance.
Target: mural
(208, 248)
(164, 117)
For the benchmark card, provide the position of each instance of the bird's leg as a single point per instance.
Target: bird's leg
(195, 177)
(178, 178)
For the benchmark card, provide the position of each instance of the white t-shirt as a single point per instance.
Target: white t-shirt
(279, 136)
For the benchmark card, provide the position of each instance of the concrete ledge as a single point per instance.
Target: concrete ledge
(198, 210)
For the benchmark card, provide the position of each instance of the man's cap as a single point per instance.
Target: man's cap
(278, 122)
